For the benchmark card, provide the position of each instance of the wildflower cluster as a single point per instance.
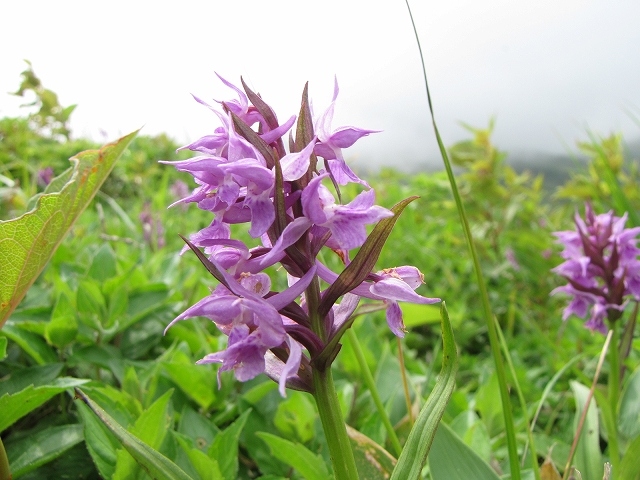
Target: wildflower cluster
(601, 266)
(245, 175)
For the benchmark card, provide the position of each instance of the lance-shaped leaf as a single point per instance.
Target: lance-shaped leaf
(254, 139)
(415, 451)
(304, 134)
(152, 461)
(28, 242)
(364, 261)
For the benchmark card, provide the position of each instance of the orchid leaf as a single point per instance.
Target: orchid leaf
(28, 242)
(415, 451)
(364, 261)
(152, 461)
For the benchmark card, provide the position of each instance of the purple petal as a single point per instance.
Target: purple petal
(272, 135)
(284, 298)
(394, 319)
(295, 165)
(311, 205)
(344, 137)
(290, 235)
(398, 290)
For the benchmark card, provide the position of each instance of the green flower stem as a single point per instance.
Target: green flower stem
(482, 286)
(344, 465)
(614, 392)
(371, 385)
(5, 473)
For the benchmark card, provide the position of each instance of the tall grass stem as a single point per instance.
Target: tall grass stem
(614, 393)
(484, 296)
(574, 445)
(405, 383)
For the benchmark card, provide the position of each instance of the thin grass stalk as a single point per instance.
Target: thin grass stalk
(574, 445)
(493, 336)
(523, 403)
(405, 383)
(371, 385)
(614, 393)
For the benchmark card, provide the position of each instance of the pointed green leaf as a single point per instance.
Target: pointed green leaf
(151, 427)
(101, 443)
(63, 327)
(152, 461)
(364, 261)
(225, 447)
(27, 242)
(16, 406)
(415, 451)
(206, 467)
(451, 459)
(32, 344)
(629, 416)
(39, 449)
(373, 461)
(630, 466)
(310, 465)
(588, 458)
(21, 378)
(103, 265)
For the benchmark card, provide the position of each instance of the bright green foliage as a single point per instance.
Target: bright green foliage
(27, 243)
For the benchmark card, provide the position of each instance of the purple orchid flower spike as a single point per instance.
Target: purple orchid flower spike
(244, 175)
(601, 266)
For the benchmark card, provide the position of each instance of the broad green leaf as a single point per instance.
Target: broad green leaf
(310, 465)
(3, 348)
(103, 265)
(373, 461)
(206, 467)
(63, 327)
(224, 448)
(200, 429)
(588, 458)
(629, 415)
(197, 381)
(101, 443)
(34, 345)
(21, 378)
(131, 384)
(152, 461)
(295, 416)
(16, 406)
(46, 445)
(415, 451)
(27, 242)
(451, 459)
(630, 466)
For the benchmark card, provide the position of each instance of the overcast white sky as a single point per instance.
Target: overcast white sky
(546, 70)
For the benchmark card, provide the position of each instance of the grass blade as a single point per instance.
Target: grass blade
(414, 454)
(152, 461)
(493, 336)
